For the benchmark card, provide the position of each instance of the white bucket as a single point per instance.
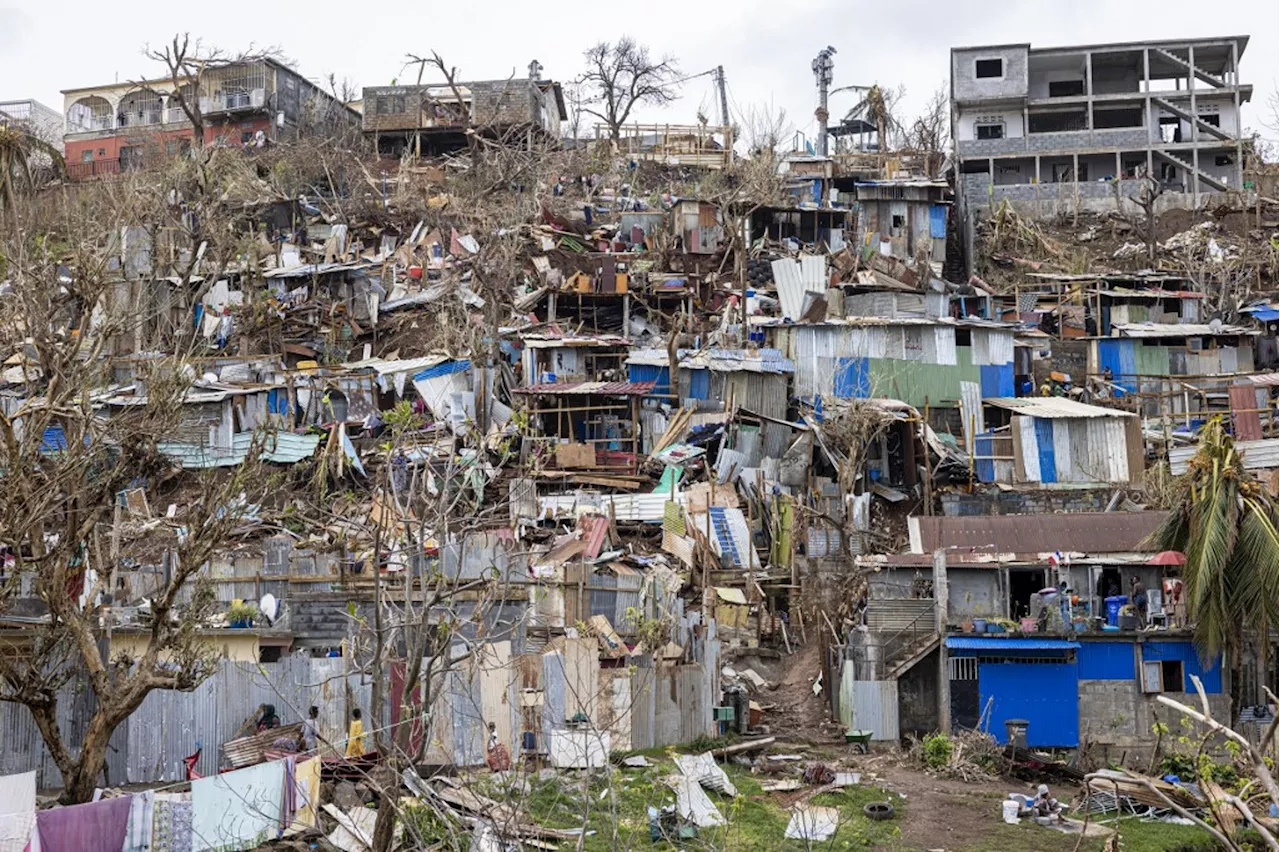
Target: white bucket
(1010, 810)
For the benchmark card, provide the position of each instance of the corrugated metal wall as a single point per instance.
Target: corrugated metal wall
(668, 704)
(875, 707)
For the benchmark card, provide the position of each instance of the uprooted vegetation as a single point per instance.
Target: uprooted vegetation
(1228, 252)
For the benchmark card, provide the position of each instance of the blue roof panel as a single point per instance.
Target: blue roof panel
(976, 644)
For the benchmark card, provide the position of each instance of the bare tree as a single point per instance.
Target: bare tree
(622, 76)
(929, 135)
(186, 62)
(59, 502)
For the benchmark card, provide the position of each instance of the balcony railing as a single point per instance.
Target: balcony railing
(92, 169)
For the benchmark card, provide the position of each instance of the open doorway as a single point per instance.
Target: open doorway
(1023, 583)
(1109, 584)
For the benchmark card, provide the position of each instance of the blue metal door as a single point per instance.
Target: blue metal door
(1045, 694)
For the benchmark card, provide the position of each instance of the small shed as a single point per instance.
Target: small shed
(1053, 440)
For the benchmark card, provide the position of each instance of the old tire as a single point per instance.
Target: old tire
(878, 810)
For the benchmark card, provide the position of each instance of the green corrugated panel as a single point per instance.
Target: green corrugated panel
(1150, 360)
(914, 382)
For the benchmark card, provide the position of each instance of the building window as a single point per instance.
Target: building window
(988, 68)
(245, 137)
(86, 156)
(1065, 88)
(975, 167)
(989, 131)
(1162, 676)
(1223, 160)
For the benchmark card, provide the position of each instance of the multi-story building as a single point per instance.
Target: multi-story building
(430, 119)
(1081, 123)
(42, 122)
(119, 126)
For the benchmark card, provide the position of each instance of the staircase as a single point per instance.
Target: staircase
(1199, 73)
(1200, 123)
(901, 633)
(1181, 163)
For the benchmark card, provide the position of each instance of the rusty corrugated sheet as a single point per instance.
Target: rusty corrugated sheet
(1245, 418)
(1079, 532)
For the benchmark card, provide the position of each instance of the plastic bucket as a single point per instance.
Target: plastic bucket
(979, 625)
(1009, 810)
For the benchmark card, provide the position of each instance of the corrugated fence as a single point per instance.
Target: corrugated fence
(666, 703)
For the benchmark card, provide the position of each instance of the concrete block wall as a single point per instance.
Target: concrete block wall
(967, 86)
(1056, 143)
(1030, 502)
(1117, 721)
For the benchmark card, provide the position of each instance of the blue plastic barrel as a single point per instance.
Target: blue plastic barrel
(1113, 608)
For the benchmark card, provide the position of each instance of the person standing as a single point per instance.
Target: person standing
(355, 735)
(310, 729)
(1138, 596)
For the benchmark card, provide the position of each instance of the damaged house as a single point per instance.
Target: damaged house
(434, 119)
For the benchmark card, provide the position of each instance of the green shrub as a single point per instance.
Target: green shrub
(937, 750)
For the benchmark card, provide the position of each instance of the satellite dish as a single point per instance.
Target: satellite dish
(268, 607)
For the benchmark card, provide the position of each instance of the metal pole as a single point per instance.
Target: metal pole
(822, 67)
(724, 98)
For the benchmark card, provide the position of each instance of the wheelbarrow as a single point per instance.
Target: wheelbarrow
(859, 739)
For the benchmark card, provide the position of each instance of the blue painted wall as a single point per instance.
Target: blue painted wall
(1044, 443)
(1045, 694)
(1117, 353)
(997, 380)
(1106, 661)
(983, 446)
(852, 379)
(1211, 677)
(646, 373)
(699, 384)
(938, 221)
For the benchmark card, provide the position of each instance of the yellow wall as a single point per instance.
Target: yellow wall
(239, 649)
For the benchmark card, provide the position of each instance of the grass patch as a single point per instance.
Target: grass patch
(757, 820)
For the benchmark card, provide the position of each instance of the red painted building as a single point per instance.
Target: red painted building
(123, 126)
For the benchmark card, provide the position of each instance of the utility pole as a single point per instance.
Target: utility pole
(822, 67)
(724, 99)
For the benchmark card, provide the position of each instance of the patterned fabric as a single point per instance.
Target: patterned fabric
(171, 823)
(137, 837)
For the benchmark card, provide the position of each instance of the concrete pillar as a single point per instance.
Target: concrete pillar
(1088, 90)
(941, 597)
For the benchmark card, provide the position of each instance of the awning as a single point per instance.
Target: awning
(973, 643)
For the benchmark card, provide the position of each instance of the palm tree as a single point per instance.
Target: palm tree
(16, 149)
(1225, 523)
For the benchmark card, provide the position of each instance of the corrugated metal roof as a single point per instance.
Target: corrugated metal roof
(973, 643)
(384, 367)
(1155, 329)
(583, 388)
(284, 448)
(1053, 407)
(717, 360)
(1258, 455)
(1069, 532)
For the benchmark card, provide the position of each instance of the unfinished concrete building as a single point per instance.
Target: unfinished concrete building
(434, 119)
(1070, 127)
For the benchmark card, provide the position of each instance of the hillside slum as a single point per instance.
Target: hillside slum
(676, 460)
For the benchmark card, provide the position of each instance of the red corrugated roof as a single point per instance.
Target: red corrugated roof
(597, 388)
(594, 530)
(1078, 532)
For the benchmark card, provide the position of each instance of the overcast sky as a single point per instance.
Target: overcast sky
(765, 48)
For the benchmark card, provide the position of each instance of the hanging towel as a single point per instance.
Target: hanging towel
(307, 784)
(141, 815)
(237, 810)
(95, 827)
(18, 813)
(171, 823)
